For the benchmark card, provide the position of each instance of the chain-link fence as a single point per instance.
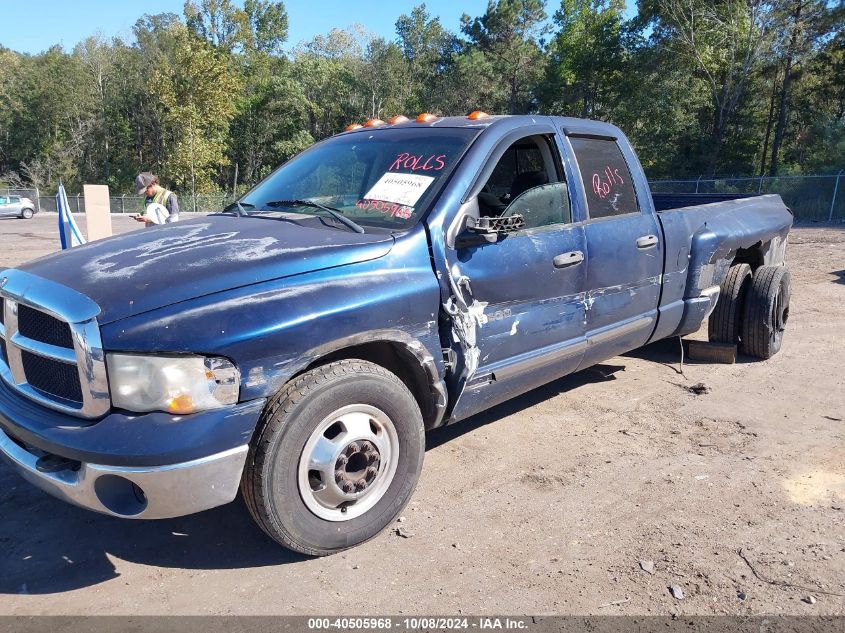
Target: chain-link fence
(811, 198)
(205, 203)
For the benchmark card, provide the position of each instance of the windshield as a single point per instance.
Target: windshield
(382, 178)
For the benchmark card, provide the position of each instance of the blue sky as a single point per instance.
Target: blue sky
(67, 22)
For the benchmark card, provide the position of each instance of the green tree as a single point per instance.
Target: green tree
(197, 93)
(801, 25)
(427, 49)
(723, 41)
(508, 36)
(220, 22)
(586, 58)
(267, 26)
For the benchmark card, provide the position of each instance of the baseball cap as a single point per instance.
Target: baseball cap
(142, 181)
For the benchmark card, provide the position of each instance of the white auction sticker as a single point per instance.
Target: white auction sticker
(403, 189)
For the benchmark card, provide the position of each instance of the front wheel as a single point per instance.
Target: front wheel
(27, 214)
(336, 457)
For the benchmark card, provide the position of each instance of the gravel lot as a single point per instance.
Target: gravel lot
(544, 505)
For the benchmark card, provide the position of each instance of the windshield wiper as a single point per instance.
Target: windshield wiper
(335, 213)
(238, 207)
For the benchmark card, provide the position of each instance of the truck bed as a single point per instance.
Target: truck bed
(672, 201)
(703, 234)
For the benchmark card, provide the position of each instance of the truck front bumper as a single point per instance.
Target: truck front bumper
(144, 466)
(155, 492)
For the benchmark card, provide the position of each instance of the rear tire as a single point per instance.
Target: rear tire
(27, 214)
(336, 456)
(766, 312)
(726, 321)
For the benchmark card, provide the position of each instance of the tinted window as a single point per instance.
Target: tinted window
(607, 181)
(379, 178)
(527, 181)
(517, 159)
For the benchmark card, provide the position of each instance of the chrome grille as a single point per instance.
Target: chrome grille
(40, 326)
(51, 350)
(53, 378)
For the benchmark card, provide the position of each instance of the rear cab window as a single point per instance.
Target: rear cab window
(607, 179)
(381, 178)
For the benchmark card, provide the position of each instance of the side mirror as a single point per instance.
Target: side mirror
(488, 230)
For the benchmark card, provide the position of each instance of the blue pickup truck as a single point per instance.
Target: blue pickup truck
(389, 280)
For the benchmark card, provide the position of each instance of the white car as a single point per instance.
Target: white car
(16, 206)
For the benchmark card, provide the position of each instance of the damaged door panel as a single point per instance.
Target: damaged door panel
(524, 312)
(517, 301)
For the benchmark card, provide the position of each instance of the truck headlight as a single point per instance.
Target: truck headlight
(176, 384)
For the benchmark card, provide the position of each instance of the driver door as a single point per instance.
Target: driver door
(525, 291)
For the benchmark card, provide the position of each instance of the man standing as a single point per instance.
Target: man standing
(166, 209)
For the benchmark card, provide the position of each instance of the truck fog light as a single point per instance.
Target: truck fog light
(175, 384)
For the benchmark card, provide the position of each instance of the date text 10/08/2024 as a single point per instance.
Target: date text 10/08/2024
(418, 623)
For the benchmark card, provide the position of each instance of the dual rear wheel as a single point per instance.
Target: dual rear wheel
(752, 309)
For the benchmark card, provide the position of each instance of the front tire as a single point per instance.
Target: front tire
(766, 312)
(336, 456)
(27, 214)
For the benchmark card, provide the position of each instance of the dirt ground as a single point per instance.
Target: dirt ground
(544, 505)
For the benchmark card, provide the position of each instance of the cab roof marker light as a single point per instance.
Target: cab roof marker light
(399, 118)
(353, 126)
(425, 117)
(477, 114)
(373, 123)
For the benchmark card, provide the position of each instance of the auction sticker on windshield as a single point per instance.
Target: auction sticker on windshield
(404, 189)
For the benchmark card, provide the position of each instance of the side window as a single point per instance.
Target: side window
(527, 181)
(3, 200)
(14, 199)
(607, 181)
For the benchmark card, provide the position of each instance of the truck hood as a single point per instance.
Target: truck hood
(151, 268)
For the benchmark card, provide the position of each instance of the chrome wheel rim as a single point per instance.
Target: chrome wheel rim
(348, 462)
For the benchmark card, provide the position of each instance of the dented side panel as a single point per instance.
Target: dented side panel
(518, 306)
(623, 284)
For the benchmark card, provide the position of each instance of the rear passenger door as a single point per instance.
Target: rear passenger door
(624, 252)
(5, 209)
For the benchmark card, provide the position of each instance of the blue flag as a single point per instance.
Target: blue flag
(69, 233)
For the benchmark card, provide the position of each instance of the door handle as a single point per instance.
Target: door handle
(647, 241)
(568, 259)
